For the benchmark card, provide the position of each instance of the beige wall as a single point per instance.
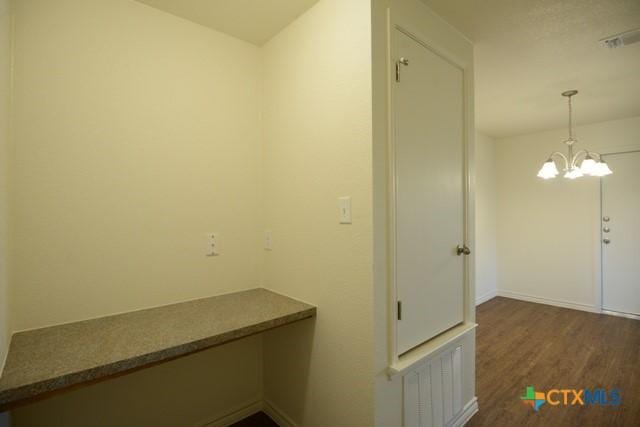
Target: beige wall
(5, 93)
(317, 120)
(135, 133)
(191, 391)
(547, 230)
(486, 204)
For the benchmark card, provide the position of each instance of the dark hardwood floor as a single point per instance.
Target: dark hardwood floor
(522, 344)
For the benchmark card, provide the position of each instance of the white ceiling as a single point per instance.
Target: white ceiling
(255, 21)
(528, 51)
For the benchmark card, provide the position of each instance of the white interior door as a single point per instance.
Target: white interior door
(621, 234)
(429, 192)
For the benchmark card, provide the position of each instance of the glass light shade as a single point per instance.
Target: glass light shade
(548, 170)
(588, 166)
(601, 169)
(573, 173)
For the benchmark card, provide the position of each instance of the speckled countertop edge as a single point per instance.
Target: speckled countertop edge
(13, 395)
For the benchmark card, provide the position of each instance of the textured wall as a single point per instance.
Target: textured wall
(317, 148)
(190, 391)
(486, 204)
(135, 133)
(5, 93)
(548, 230)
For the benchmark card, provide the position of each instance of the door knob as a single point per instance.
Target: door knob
(463, 250)
(606, 229)
(606, 219)
(606, 241)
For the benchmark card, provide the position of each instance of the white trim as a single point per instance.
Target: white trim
(486, 297)
(469, 410)
(277, 414)
(398, 21)
(243, 411)
(239, 413)
(429, 349)
(548, 301)
(615, 149)
(597, 236)
(619, 314)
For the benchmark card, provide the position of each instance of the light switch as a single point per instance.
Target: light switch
(344, 204)
(212, 244)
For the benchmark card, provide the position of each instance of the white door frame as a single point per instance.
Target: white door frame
(398, 21)
(598, 261)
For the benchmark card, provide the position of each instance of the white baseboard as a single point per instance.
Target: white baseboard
(468, 411)
(277, 415)
(243, 411)
(239, 413)
(486, 297)
(283, 420)
(548, 301)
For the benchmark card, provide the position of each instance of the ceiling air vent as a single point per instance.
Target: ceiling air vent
(622, 39)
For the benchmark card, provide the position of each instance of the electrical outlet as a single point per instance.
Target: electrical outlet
(212, 244)
(268, 241)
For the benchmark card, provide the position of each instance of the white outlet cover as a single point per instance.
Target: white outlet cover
(212, 247)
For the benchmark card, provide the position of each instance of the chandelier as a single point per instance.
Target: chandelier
(592, 163)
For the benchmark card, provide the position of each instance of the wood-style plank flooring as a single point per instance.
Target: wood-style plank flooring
(523, 344)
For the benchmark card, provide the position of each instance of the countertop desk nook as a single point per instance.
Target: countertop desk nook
(46, 360)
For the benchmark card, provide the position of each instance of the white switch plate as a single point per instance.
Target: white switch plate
(212, 244)
(268, 241)
(344, 204)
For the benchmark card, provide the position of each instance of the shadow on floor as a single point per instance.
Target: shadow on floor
(256, 420)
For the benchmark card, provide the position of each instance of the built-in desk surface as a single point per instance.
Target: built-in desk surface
(45, 360)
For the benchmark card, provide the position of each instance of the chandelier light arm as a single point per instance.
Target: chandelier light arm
(559, 154)
(574, 160)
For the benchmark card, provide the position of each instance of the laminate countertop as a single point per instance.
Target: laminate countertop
(46, 360)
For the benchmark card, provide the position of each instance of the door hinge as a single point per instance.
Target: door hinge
(401, 61)
(399, 310)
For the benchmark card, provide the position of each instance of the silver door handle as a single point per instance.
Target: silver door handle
(463, 250)
(606, 241)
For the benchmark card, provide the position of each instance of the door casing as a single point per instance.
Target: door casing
(403, 24)
(599, 249)
(596, 215)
